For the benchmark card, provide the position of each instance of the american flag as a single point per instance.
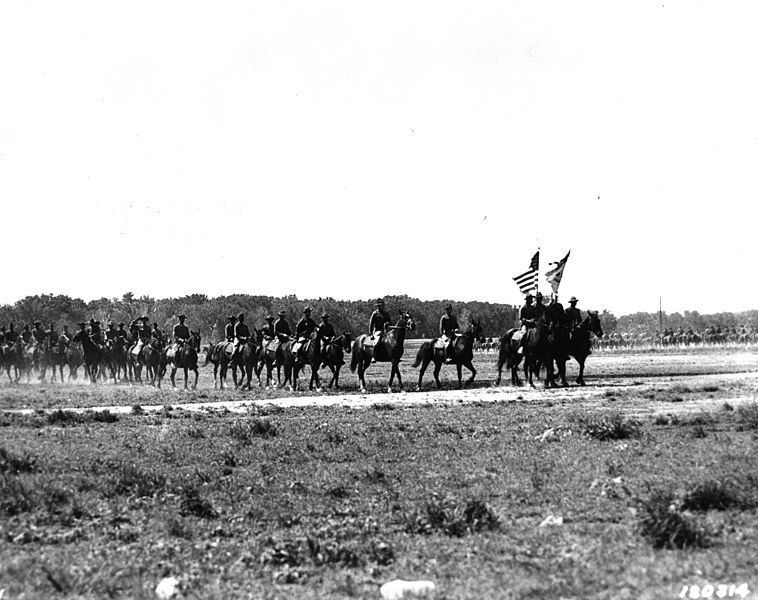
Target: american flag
(527, 281)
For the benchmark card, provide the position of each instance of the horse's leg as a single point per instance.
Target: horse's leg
(422, 370)
(173, 376)
(459, 369)
(580, 378)
(469, 365)
(331, 368)
(436, 372)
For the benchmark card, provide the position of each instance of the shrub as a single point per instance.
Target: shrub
(712, 494)
(194, 504)
(131, 479)
(68, 417)
(451, 518)
(748, 416)
(244, 430)
(15, 497)
(14, 464)
(665, 525)
(612, 427)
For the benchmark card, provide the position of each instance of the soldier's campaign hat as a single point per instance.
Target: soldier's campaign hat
(282, 313)
(231, 318)
(241, 316)
(538, 295)
(144, 319)
(528, 296)
(36, 323)
(121, 324)
(82, 324)
(110, 323)
(449, 306)
(325, 316)
(97, 322)
(307, 309)
(270, 318)
(92, 321)
(379, 302)
(182, 316)
(573, 299)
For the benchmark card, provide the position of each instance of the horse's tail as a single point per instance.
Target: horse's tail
(423, 353)
(208, 355)
(355, 359)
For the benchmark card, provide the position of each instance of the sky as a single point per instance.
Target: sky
(353, 149)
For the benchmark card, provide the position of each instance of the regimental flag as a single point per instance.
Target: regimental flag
(527, 281)
(554, 275)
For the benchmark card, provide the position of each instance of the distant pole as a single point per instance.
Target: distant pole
(660, 314)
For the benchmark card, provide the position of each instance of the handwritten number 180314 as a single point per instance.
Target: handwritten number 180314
(720, 590)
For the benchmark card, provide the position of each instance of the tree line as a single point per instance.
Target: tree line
(209, 315)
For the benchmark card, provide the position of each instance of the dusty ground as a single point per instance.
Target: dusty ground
(636, 384)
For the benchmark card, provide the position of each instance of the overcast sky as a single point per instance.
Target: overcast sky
(354, 149)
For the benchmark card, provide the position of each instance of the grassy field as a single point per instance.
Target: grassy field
(316, 503)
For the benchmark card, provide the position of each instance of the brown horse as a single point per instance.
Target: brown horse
(509, 357)
(334, 356)
(221, 356)
(93, 354)
(14, 359)
(181, 356)
(580, 343)
(246, 359)
(389, 348)
(463, 354)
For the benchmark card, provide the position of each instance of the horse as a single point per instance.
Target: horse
(58, 359)
(536, 347)
(311, 356)
(271, 352)
(93, 354)
(119, 358)
(74, 360)
(246, 359)
(14, 358)
(221, 356)
(580, 343)
(508, 356)
(181, 356)
(42, 357)
(334, 356)
(150, 357)
(389, 348)
(463, 354)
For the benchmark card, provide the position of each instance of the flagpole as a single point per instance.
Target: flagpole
(537, 280)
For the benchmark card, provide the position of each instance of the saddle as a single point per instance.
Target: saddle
(271, 345)
(440, 344)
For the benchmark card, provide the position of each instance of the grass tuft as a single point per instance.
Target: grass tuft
(748, 416)
(131, 479)
(14, 464)
(612, 427)
(451, 518)
(244, 430)
(662, 522)
(194, 504)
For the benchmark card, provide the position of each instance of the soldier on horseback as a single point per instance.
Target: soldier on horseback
(378, 323)
(326, 333)
(573, 314)
(229, 329)
(52, 335)
(121, 333)
(241, 334)
(141, 331)
(26, 335)
(110, 333)
(303, 330)
(554, 312)
(11, 335)
(527, 317)
(448, 329)
(181, 331)
(38, 333)
(156, 333)
(282, 331)
(94, 331)
(65, 337)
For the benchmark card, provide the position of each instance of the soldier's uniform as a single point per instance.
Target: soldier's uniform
(26, 335)
(539, 307)
(268, 329)
(38, 333)
(241, 333)
(121, 333)
(65, 337)
(282, 328)
(156, 333)
(181, 332)
(379, 321)
(303, 330)
(573, 314)
(554, 313)
(527, 316)
(448, 327)
(141, 329)
(325, 332)
(11, 335)
(229, 329)
(52, 335)
(110, 333)
(94, 331)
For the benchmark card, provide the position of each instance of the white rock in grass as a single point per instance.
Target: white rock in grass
(167, 588)
(552, 520)
(399, 589)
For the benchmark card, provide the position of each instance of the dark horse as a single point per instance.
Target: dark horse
(13, 358)
(181, 356)
(93, 354)
(246, 359)
(463, 354)
(580, 342)
(221, 356)
(388, 349)
(310, 355)
(334, 356)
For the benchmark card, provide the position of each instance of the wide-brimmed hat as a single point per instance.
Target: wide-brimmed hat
(36, 323)
(241, 316)
(144, 319)
(270, 318)
(307, 309)
(379, 302)
(281, 313)
(449, 306)
(231, 318)
(182, 316)
(528, 296)
(573, 299)
(92, 321)
(325, 316)
(538, 295)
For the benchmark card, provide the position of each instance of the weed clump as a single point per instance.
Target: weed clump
(452, 518)
(662, 521)
(14, 464)
(15, 497)
(713, 494)
(131, 479)
(194, 504)
(244, 430)
(612, 427)
(748, 416)
(64, 418)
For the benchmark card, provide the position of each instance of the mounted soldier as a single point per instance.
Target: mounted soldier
(38, 333)
(573, 314)
(65, 337)
(94, 331)
(156, 333)
(283, 333)
(554, 312)
(527, 317)
(141, 330)
(303, 330)
(2, 335)
(110, 333)
(377, 324)
(52, 335)
(229, 329)
(448, 329)
(326, 334)
(181, 332)
(11, 335)
(26, 335)
(539, 306)
(241, 334)
(121, 333)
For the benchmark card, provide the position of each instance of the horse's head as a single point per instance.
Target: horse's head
(194, 340)
(595, 323)
(406, 321)
(347, 341)
(475, 330)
